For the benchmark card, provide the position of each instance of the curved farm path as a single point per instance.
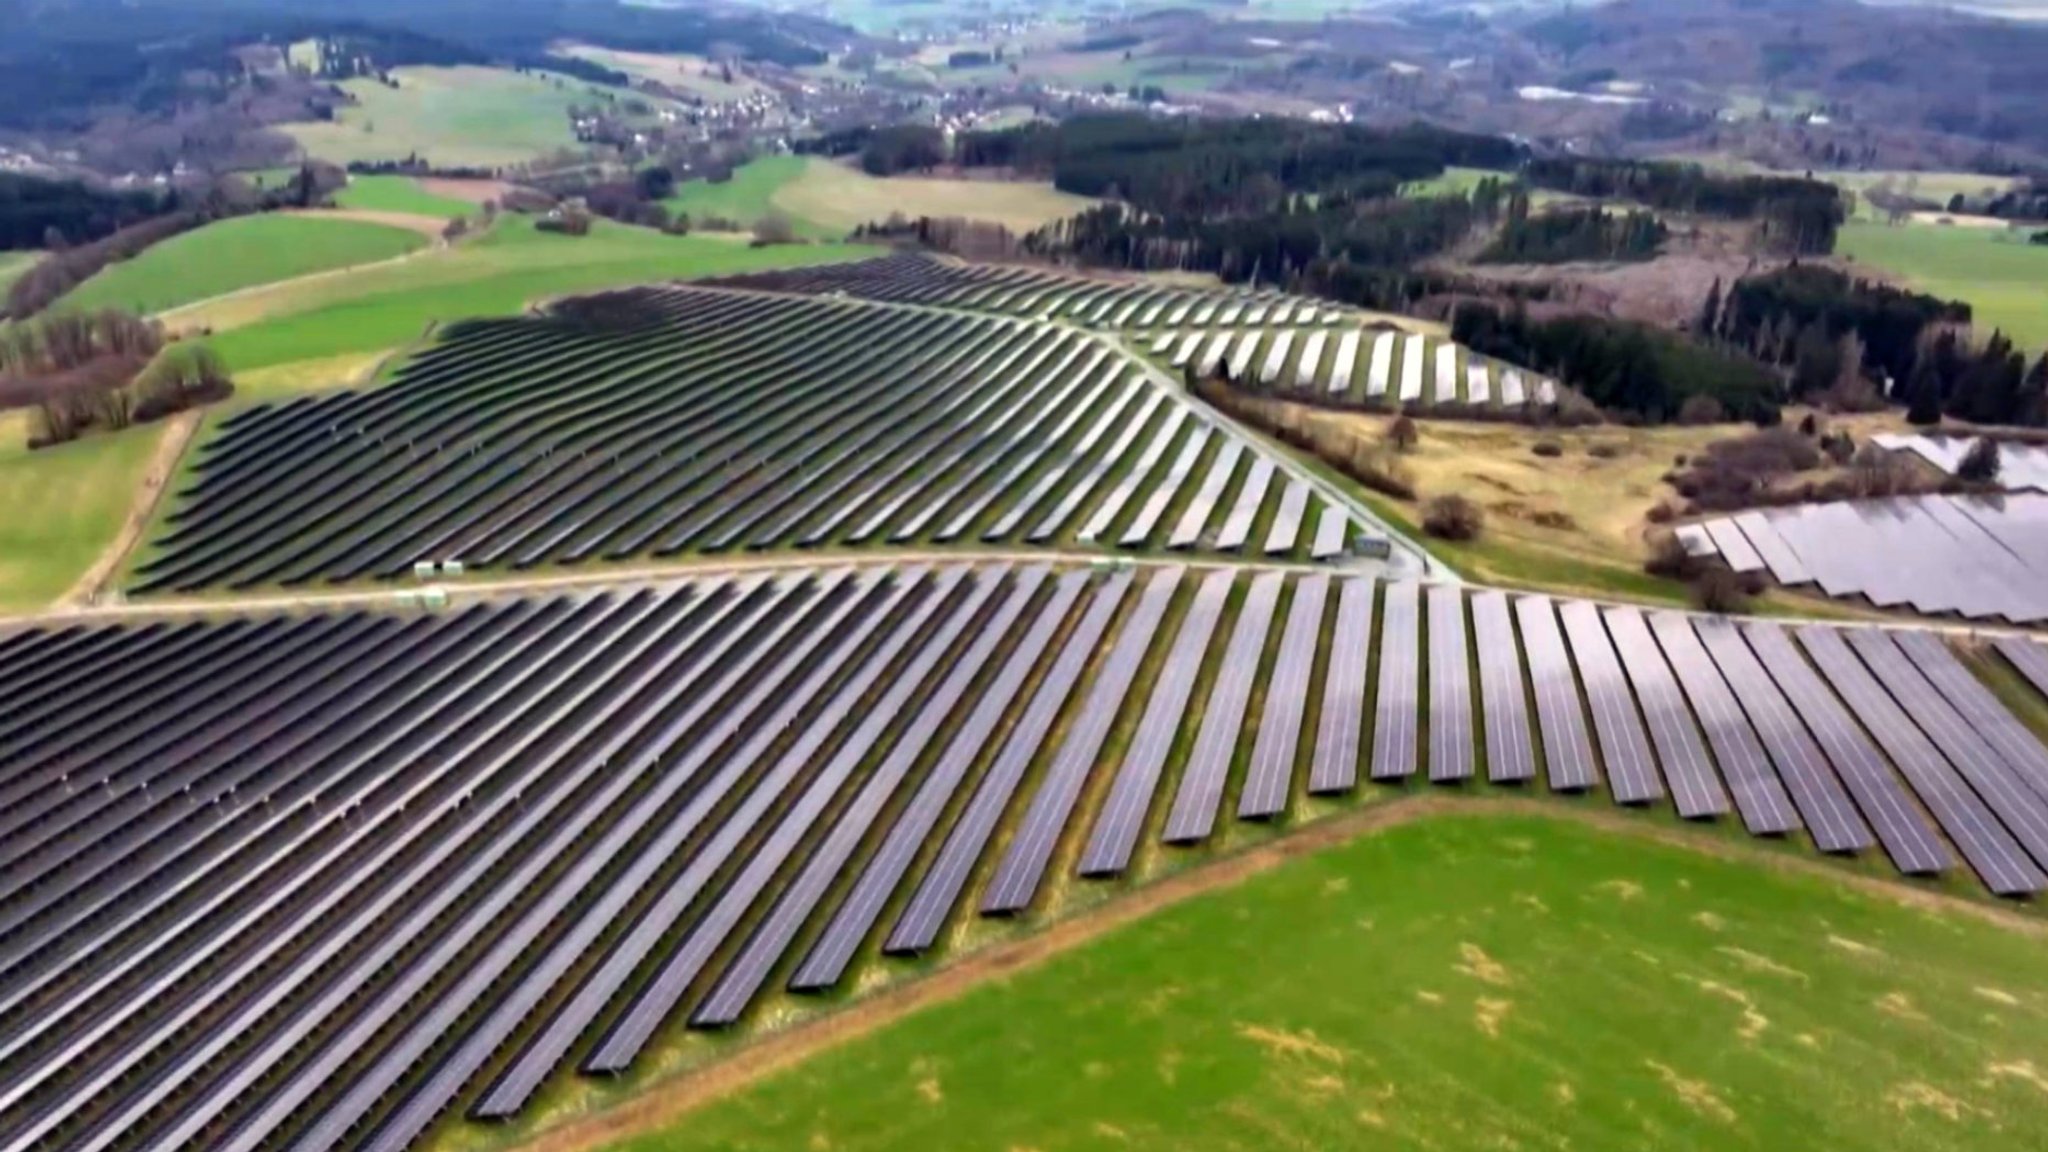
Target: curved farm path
(428, 226)
(170, 448)
(662, 1104)
(171, 316)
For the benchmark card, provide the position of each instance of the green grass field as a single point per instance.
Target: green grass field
(497, 274)
(399, 194)
(828, 200)
(478, 117)
(13, 264)
(2004, 279)
(1465, 982)
(64, 505)
(745, 198)
(239, 253)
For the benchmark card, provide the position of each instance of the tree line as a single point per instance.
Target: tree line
(1794, 215)
(1573, 234)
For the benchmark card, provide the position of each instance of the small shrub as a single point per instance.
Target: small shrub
(1453, 517)
(1548, 449)
(774, 228)
(1720, 591)
(1604, 451)
(1981, 464)
(1809, 427)
(1403, 434)
(1550, 519)
(1669, 559)
(1698, 411)
(1661, 513)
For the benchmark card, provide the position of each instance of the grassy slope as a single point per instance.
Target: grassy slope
(483, 117)
(13, 264)
(746, 197)
(1496, 982)
(239, 253)
(399, 194)
(497, 274)
(828, 199)
(63, 506)
(2002, 277)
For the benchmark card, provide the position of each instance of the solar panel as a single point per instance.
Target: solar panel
(1631, 768)
(1986, 715)
(920, 922)
(1333, 530)
(826, 962)
(1122, 817)
(1766, 809)
(1823, 805)
(1344, 685)
(1395, 718)
(1023, 866)
(1203, 506)
(1286, 528)
(1113, 504)
(1971, 825)
(1272, 764)
(1237, 526)
(1695, 790)
(1381, 371)
(1345, 365)
(1201, 785)
(1566, 751)
(1311, 359)
(743, 977)
(1141, 526)
(1510, 749)
(2030, 657)
(1912, 846)
(1450, 687)
(1414, 357)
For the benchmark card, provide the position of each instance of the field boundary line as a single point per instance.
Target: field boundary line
(665, 1101)
(177, 437)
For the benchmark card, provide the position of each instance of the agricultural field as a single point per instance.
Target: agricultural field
(239, 253)
(1737, 1002)
(499, 273)
(834, 199)
(717, 433)
(748, 195)
(401, 194)
(521, 856)
(463, 117)
(64, 506)
(2003, 278)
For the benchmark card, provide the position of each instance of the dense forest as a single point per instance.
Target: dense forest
(1205, 169)
(1797, 309)
(40, 213)
(1624, 367)
(1794, 215)
(1567, 234)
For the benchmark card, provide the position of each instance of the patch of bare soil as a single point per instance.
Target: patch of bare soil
(474, 191)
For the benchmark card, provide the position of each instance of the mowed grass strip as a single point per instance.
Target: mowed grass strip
(2003, 278)
(399, 194)
(498, 274)
(235, 254)
(1496, 980)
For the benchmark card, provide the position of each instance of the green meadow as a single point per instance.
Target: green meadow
(399, 194)
(64, 506)
(1468, 981)
(2001, 276)
(455, 117)
(497, 274)
(239, 253)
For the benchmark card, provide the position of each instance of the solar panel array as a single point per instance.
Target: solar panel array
(1375, 367)
(695, 420)
(1977, 557)
(2021, 467)
(333, 879)
(1044, 293)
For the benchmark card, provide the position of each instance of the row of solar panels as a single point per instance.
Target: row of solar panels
(1354, 365)
(2021, 467)
(712, 427)
(1018, 290)
(322, 879)
(1978, 557)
